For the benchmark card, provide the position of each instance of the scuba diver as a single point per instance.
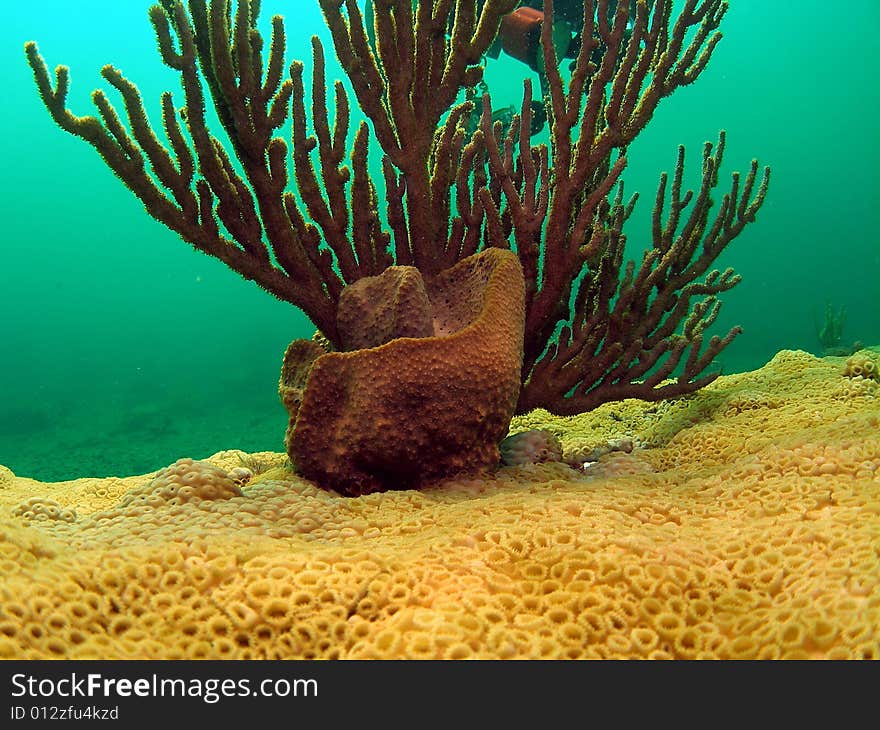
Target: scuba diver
(520, 38)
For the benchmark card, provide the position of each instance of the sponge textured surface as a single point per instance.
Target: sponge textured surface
(745, 522)
(414, 409)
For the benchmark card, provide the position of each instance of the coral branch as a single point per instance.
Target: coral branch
(405, 88)
(236, 210)
(596, 327)
(632, 329)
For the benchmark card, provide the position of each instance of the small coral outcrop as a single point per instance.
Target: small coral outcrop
(862, 364)
(530, 447)
(184, 481)
(39, 509)
(432, 390)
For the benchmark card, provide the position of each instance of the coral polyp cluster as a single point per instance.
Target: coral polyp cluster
(185, 481)
(743, 523)
(862, 364)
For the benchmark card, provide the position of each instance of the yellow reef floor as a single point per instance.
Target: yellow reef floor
(745, 524)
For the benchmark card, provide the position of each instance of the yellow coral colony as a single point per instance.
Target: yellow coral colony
(745, 523)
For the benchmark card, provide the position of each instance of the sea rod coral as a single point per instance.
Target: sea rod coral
(590, 328)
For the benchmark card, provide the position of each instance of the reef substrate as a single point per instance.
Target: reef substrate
(745, 523)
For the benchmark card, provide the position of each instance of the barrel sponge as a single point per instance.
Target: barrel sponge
(423, 405)
(186, 480)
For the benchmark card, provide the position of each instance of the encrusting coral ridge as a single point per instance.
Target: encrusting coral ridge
(744, 522)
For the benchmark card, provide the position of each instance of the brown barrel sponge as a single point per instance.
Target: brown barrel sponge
(416, 408)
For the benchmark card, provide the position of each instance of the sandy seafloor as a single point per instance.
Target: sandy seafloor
(745, 524)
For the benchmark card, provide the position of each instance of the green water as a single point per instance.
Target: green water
(124, 349)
